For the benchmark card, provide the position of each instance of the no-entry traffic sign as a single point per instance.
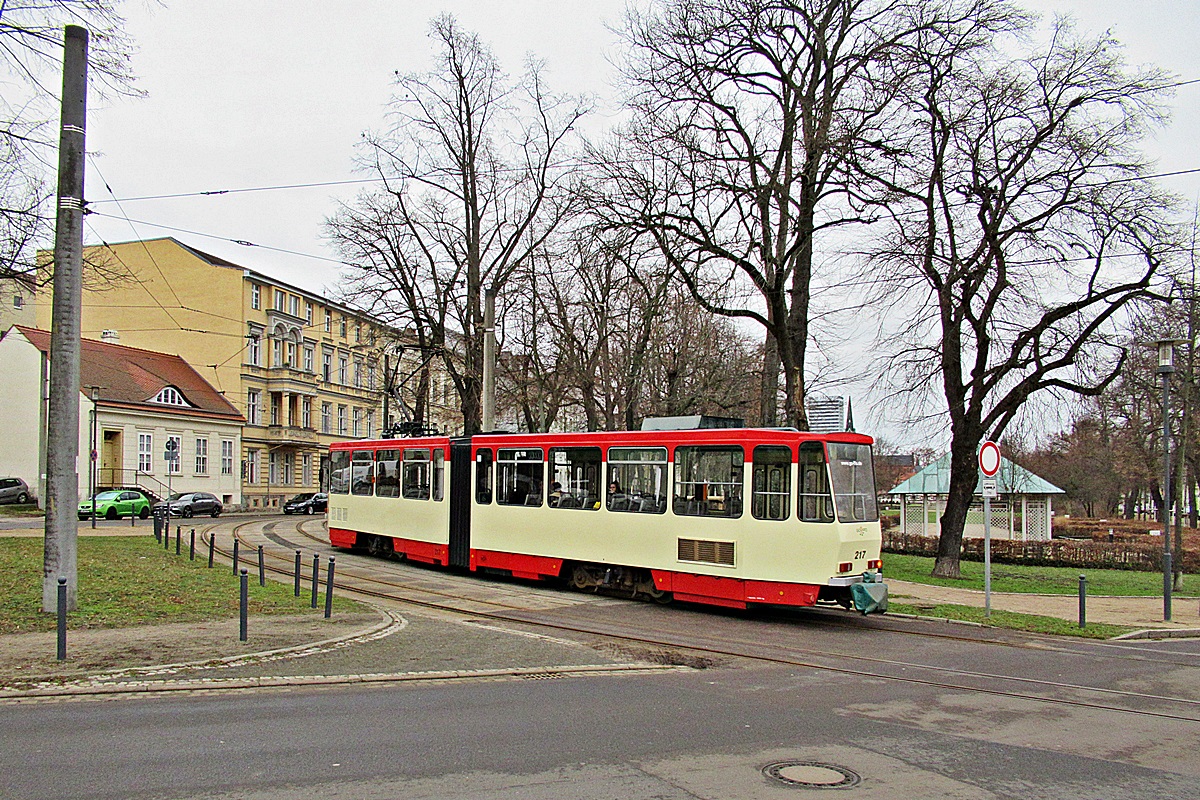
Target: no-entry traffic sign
(989, 458)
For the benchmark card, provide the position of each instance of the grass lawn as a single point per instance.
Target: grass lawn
(1034, 580)
(14, 510)
(1032, 623)
(128, 580)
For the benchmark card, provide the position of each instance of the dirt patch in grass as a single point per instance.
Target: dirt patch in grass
(31, 658)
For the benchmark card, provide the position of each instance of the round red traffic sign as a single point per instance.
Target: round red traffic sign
(989, 458)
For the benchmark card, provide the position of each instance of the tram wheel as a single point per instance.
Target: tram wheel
(581, 578)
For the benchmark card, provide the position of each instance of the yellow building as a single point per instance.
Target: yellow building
(303, 370)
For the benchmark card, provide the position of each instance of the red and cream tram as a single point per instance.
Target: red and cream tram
(729, 516)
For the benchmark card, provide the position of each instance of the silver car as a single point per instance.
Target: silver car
(14, 490)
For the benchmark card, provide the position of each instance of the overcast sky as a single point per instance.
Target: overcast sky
(274, 93)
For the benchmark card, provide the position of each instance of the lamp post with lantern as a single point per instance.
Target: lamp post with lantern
(1166, 366)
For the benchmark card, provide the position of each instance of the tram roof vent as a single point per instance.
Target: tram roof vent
(691, 422)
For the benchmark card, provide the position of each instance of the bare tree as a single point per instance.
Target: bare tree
(31, 37)
(752, 118)
(472, 187)
(1021, 230)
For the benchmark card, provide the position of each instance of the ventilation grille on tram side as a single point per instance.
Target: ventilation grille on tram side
(705, 551)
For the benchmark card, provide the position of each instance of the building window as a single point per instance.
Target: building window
(255, 350)
(308, 313)
(343, 363)
(341, 420)
(328, 321)
(295, 306)
(18, 301)
(170, 396)
(306, 469)
(306, 412)
(285, 474)
(327, 366)
(201, 456)
(175, 466)
(279, 299)
(276, 352)
(358, 372)
(371, 375)
(226, 457)
(370, 424)
(358, 332)
(308, 360)
(291, 354)
(358, 422)
(253, 397)
(326, 418)
(276, 403)
(255, 296)
(251, 466)
(343, 327)
(273, 468)
(145, 452)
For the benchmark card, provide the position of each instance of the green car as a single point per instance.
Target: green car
(116, 504)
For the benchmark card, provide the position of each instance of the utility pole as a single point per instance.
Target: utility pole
(489, 360)
(62, 420)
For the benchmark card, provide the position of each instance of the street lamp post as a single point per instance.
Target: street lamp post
(92, 453)
(1166, 366)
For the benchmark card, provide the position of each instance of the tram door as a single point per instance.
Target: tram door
(460, 503)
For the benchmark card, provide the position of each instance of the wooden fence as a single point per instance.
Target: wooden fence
(1054, 553)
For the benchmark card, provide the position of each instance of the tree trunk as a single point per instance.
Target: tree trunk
(963, 477)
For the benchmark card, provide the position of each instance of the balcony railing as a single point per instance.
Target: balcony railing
(291, 434)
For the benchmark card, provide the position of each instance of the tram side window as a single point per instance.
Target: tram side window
(771, 485)
(415, 482)
(519, 477)
(483, 477)
(708, 481)
(339, 472)
(815, 504)
(362, 478)
(853, 481)
(439, 473)
(574, 478)
(637, 479)
(387, 473)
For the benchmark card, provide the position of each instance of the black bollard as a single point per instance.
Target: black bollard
(244, 607)
(297, 573)
(316, 573)
(178, 536)
(329, 589)
(262, 575)
(62, 619)
(167, 534)
(212, 540)
(192, 547)
(235, 554)
(157, 527)
(1083, 601)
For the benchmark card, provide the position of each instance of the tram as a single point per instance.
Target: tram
(730, 517)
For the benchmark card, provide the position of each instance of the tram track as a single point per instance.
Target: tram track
(776, 653)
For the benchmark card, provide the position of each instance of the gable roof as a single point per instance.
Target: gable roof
(1010, 479)
(130, 377)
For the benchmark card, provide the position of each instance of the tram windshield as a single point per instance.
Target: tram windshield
(853, 482)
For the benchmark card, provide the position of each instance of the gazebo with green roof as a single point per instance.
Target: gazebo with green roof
(1023, 510)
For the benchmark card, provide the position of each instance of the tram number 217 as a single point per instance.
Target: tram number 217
(860, 554)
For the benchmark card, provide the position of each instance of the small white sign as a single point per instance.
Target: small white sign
(989, 488)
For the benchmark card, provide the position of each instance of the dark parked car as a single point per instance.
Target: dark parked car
(307, 503)
(14, 490)
(189, 504)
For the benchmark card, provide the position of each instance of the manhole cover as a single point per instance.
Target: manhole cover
(812, 775)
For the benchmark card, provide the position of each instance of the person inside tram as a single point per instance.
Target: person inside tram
(556, 494)
(617, 500)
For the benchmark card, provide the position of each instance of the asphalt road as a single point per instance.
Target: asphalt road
(692, 734)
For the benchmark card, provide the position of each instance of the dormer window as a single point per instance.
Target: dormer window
(170, 396)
